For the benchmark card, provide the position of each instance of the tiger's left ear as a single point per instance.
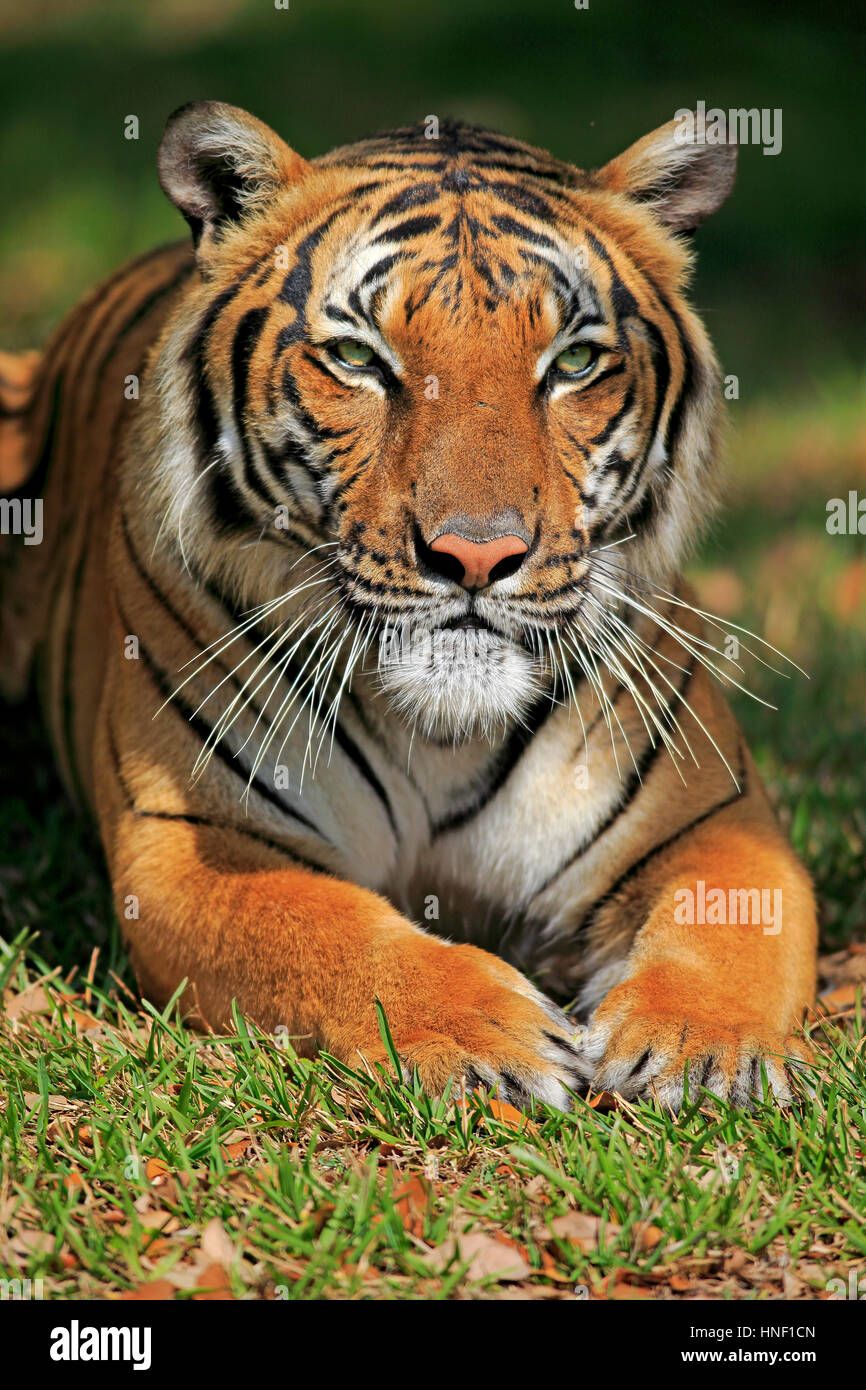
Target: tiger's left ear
(674, 172)
(218, 165)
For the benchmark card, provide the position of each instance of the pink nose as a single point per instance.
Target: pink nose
(478, 558)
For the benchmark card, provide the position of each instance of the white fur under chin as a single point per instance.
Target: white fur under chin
(457, 684)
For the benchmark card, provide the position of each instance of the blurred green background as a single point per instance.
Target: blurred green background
(779, 281)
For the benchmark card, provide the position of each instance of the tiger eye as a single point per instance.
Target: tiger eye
(354, 353)
(575, 359)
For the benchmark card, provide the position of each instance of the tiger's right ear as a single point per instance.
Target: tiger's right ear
(219, 165)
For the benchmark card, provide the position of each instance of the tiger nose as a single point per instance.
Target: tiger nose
(475, 564)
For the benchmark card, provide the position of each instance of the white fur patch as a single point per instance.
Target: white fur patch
(456, 683)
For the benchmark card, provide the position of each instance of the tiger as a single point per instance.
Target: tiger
(359, 625)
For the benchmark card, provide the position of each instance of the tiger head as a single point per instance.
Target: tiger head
(456, 374)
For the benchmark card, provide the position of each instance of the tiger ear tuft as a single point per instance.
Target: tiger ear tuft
(676, 172)
(218, 164)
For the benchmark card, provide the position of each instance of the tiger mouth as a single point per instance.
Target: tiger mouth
(468, 621)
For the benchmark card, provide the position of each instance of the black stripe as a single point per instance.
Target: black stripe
(509, 756)
(204, 821)
(244, 343)
(298, 283)
(137, 316)
(416, 195)
(615, 419)
(201, 727)
(155, 592)
(341, 737)
(592, 913)
(354, 754)
(511, 227)
(230, 509)
(412, 227)
(630, 790)
(277, 845)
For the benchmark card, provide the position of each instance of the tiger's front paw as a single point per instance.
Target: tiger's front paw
(642, 1045)
(472, 1018)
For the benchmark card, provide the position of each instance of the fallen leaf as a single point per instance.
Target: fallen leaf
(605, 1100)
(411, 1200)
(844, 997)
(582, 1229)
(216, 1244)
(157, 1247)
(736, 1261)
(235, 1150)
(214, 1286)
(550, 1269)
(648, 1237)
(488, 1258)
(161, 1221)
(510, 1115)
(32, 1000)
(158, 1290)
(33, 1242)
(155, 1169)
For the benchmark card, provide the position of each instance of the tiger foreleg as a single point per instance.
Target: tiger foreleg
(718, 975)
(307, 955)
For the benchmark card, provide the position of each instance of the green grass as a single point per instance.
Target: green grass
(280, 1177)
(302, 1166)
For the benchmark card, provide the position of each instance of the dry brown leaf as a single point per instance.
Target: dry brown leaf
(550, 1269)
(155, 1170)
(158, 1290)
(157, 1248)
(33, 1000)
(32, 1242)
(844, 997)
(322, 1215)
(510, 1115)
(216, 1244)
(33, 1099)
(213, 1283)
(536, 1190)
(161, 1221)
(736, 1261)
(582, 1229)
(605, 1100)
(113, 1216)
(648, 1237)
(411, 1200)
(236, 1149)
(628, 1291)
(488, 1258)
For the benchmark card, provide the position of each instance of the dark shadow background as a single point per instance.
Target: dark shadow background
(779, 281)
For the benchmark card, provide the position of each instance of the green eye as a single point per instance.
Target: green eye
(575, 360)
(354, 353)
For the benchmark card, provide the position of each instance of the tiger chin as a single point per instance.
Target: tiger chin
(451, 390)
(458, 683)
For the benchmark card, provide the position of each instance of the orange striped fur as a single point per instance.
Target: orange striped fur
(357, 622)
